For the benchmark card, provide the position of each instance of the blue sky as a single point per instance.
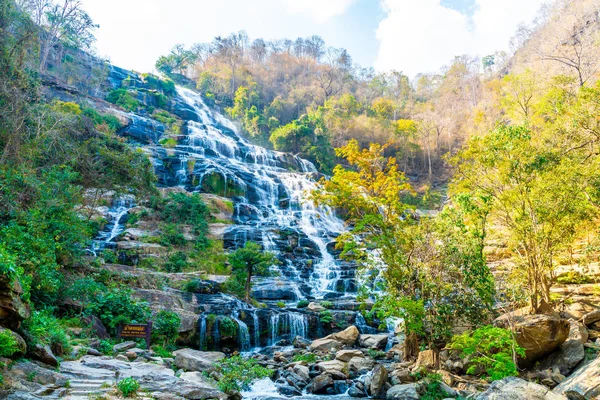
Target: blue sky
(407, 35)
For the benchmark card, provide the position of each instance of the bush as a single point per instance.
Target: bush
(326, 317)
(280, 304)
(177, 262)
(573, 277)
(162, 352)
(491, 350)
(228, 327)
(115, 306)
(327, 304)
(45, 329)
(8, 344)
(105, 347)
(308, 357)
(123, 98)
(238, 373)
(166, 327)
(375, 354)
(171, 236)
(303, 304)
(128, 387)
(432, 388)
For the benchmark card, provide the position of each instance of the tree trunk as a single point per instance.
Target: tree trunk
(411, 346)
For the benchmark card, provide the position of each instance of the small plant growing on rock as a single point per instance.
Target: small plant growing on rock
(238, 373)
(128, 387)
(326, 317)
(493, 352)
(375, 354)
(302, 304)
(8, 344)
(308, 357)
(327, 304)
(280, 304)
(228, 327)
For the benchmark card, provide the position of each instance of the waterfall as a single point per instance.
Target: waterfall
(113, 228)
(274, 325)
(243, 333)
(202, 330)
(216, 334)
(256, 329)
(298, 325)
(362, 325)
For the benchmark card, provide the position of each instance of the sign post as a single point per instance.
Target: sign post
(136, 331)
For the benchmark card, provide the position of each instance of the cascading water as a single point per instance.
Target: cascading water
(256, 323)
(269, 190)
(114, 227)
(202, 330)
(274, 326)
(243, 333)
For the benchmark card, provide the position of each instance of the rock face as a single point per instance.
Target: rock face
(44, 354)
(321, 383)
(347, 355)
(571, 352)
(194, 360)
(537, 334)
(12, 309)
(376, 381)
(348, 336)
(325, 344)
(513, 388)
(426, 360)
(584, 383)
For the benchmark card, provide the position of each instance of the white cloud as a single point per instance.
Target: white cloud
(320, 10)
(422, 36)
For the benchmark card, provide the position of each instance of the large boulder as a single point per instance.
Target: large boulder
(425, 360)
(583, 384)
(375, 382)
(373, 341)
(44, 354)
(347, 355)
(13, 310)
(360, 365)
(348, 336)
(403, 392)
(570, 353)
(537, 334)
(325, 345)
(333, 365)
(591, 317)
(321, 383)
(513, 388)
(194, 360)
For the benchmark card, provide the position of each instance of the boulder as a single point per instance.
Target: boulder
(44, 354)
(321, 383)
(334, 365)
(95, 326)
(302, 371)
(124, 346)
(570, 353)
(360, 365)
(348, 336)
(425, 360)
(400, 376)
(583, 384)
(537, 334)
(325, 344)
(315, 307)
(13, 310)
(403, 392)
(21, 348)
(373, 341)
(591, 317)
(194, 360)
(375, 382)
(347, 355)
(515, 388)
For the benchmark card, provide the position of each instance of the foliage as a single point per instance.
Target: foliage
(326, 304)
(249, 261)
(432, 388)
(8, 344)
(128, 387)
(124, 98)
(228, 327)
(238, 373)
(326, 317)
(177, 262)
(114, 306)
(166, 327)
(105, 347)
(162, 351)
(492, 351)
(45, 329)
(302, 303)
(309, 358)
(375, 354)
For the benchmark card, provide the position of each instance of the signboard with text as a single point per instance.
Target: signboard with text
(136, 331)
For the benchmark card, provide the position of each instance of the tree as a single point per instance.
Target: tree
(249, 261)
(429, 273)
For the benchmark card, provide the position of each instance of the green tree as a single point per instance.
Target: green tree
(249, 261)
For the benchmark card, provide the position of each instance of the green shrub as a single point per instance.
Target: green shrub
(177, 262)
(308, 357)
(280, 304)
(109, 256)
(573, 277)
(8, 344)
(491, 350)
(326, 304)
(303, 304)
(128, 387)
(375, 354)
(432, 388)
(171, 236)
(105, 347)
(162, 352)
(168, 143)
(116, 306)
(238, 373)
(45, 329)
(123, 98)
(193, 285)
(166, 327)
(326, 317)
(228, 327)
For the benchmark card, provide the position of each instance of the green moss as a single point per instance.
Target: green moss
(168, 143)
(215, 183)
(124, 98)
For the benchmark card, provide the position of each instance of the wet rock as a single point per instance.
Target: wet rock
(375, 382)
(570, 353)
(403, 392)
(348, 336)
(373, 341)
(143, 130)
(301, 343)
(334, 365)
(537, 334)
(44, 354)
(289, 391)
(400, 376)
(583, 384)
(360, 365)
(124, 346)
(357, 390)
(515, 388)
(347, 355)
(194, 360)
